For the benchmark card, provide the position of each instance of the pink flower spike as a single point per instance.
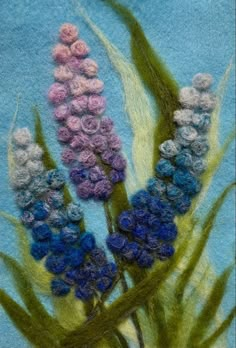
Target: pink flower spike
(61, 53)
(89, 67)
(96, 104)
(73, 123)
(68, 33)
(57, 93)
(62, 73)
(79, 48)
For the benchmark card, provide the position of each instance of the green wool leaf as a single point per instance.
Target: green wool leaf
(154, 74)
(198, 250)
(25, 289)
(25, 324)
(208, 312)
(210, 341)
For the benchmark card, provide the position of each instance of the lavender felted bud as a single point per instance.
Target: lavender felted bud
(74, 64)
(107, 156)
(55, 178)
(106, 126)
(75, 257)
(73, 123)
(102, 189)
(85, 189)
(207, 101)
(80, 141)
(164, 168)
(35, 152)
(57, 93)
(74, 212)
(62, 112)
(21, 157)
(62, 73)
(98, 143)
(169, 148)
(118, 162)
(183, 117)
(202, 81)
(78, 175)
(89, 67)
(68, 33)
(114, 142)
(79, 49)
(61, 53)
(20, 178)
(79, 104)
(96, 173)
(96, 104)
(90, 124)
(189, 97)
(84, 292)
(117, 176)
(182, 204)
(87, 158)
(68, 156)
(130, 251)
(22, 137)
(126, 221)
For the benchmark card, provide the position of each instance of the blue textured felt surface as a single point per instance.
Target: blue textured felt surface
(190, 35)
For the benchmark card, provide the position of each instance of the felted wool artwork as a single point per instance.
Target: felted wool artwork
(117, 174)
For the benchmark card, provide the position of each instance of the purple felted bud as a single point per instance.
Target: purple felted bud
(73, 123)
(78, 175)
(68, 156)
(107, 156)
(98, 143)
(114, 142)
(96, 173)
(80, 141)
(90, 124)
(62, 112)
(87, 158)
(63, 134)
(106, 125)
(118, 162)
(102, 189)
(96, 104)
(57, 93)
(79, 104)
(85, 189)
(117, 176)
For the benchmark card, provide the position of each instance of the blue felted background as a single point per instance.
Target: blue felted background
(191, 36)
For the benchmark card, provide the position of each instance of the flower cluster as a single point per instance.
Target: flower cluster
(68, 253)
(150, 222)
(91, 148)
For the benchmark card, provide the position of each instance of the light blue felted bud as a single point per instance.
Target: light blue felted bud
(169, 148)
(202, 81)
(189, 97)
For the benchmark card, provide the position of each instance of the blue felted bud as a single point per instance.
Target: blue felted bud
(130, 251)
(39, 185)
(116, 242)
(167, 213)
(57, 219)
(69, 234)
(155, 205)
(78, 175)
(87, 242)
(156, 186)
(109, 270)
(145, 260)
(141, 215)
(56, 264)
(202, 122)
(154, 222)
(55, 199)
(84, 292)
(200, 146)
(57, 246)
(24, 199)
(117, 176)
(140, 232)
(173, 192)
(165, 252)
(153, 242)
(98, 256)
(55, 178)
(41, 231)
(186, 135)
(39, 250)
(182, 204)
(186, 181)
(167, 232)
(103, 284)
(27, 218)
(71, 276)
(74, 212)
(126, 221)
(140, 199)
(75, 257)
(40, 210)
(184, 159)
(90, 271)
(198, 166)
(164, 168)
(59, 287)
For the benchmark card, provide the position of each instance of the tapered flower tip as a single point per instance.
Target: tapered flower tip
(68, 33)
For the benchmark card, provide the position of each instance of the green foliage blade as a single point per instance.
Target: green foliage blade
(198, 250)
(154, 74)
(210, 341)
(207, 314)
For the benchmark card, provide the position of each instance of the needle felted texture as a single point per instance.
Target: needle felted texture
(149, 225)
(71, 256)
(91, 148)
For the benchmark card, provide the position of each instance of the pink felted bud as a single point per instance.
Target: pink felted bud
(61, 53)
(96, 104)
(87, 158)
(79, 48)
(63, 134)
(68, 33)
(106, 125)
(89, 67)
(79, 104)
(90, 124)
(57, 93)
(94, 86)
(73, 123)
(74, 64)
(68, 156)
(62, 112)
(80, 141)
(78, 85)
(62, 73)
(114, 142)
(98, 143)
(118, 162)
